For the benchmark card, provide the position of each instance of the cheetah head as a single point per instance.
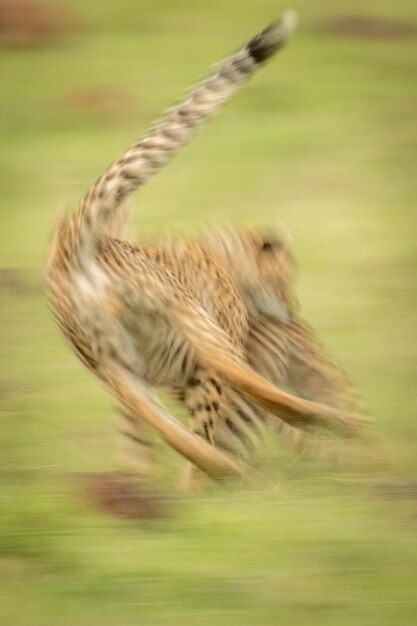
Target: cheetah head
(262, 268)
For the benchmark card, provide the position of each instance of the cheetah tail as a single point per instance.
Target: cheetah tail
(142, 160)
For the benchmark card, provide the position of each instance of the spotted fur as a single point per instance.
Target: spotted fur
(138, 317)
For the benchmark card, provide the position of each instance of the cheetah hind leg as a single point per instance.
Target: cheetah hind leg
(204, 401)
(134, 450)
(137, 397)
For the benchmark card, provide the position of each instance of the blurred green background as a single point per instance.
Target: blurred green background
(323, 139)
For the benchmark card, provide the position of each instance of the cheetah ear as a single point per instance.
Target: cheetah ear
(271, 244)
(283, 234)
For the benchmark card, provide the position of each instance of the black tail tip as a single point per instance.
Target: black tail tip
(273, 37)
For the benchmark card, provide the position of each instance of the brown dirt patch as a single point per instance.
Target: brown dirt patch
(120, 494)
(29, 23)
(367, 27)
(15, 281)
(397, 489)
(106, 100)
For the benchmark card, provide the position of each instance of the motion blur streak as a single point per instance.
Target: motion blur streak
(333, 155)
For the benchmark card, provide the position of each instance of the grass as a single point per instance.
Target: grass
(324, 139)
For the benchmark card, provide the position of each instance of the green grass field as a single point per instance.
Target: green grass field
(323, 139)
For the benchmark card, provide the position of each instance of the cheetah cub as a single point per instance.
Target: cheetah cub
(139, 317)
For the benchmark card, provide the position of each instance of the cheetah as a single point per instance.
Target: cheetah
(140, 318)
